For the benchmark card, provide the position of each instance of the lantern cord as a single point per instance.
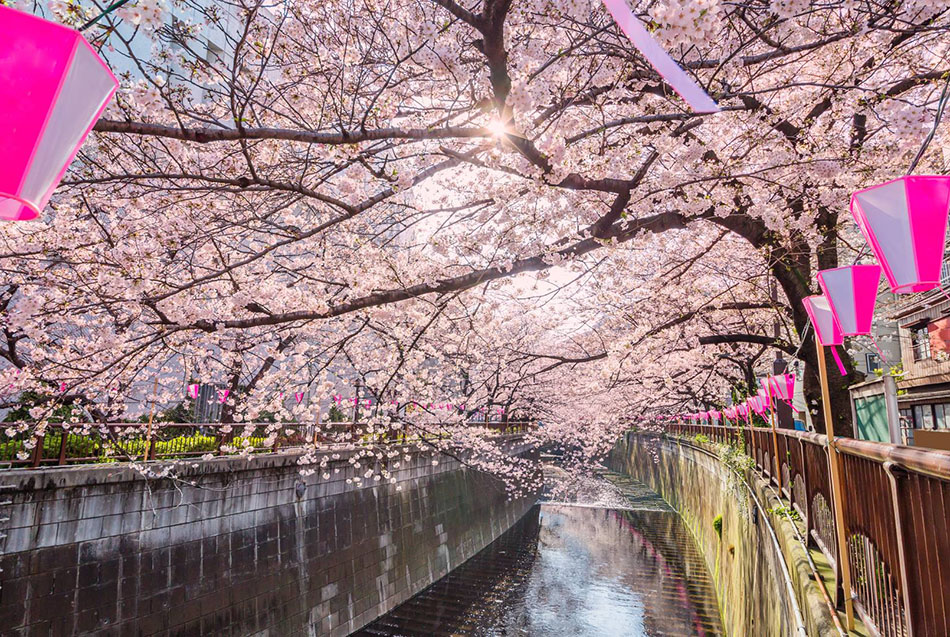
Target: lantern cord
(941, 105)
(112, 7)
(944, 290)
(879, 351)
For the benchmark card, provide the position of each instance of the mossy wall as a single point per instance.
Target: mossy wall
(753, 596)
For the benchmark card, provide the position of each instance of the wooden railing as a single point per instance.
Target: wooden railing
(121, 442)
(896, 510)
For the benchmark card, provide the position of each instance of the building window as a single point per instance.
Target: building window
(873, 362)
(942, 416)
(923, 417)
(920, 338)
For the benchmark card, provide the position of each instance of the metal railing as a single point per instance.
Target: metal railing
(896, 518)
(122, 442)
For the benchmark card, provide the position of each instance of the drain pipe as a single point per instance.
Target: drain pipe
(789, 585)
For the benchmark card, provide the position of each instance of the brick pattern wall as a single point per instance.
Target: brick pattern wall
(234, 546)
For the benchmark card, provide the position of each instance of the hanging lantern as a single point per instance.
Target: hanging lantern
(783, 386)
(819, 311)
(851, 292)
(905, 223)
(53, 87)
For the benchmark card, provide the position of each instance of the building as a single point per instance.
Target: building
(922, 322)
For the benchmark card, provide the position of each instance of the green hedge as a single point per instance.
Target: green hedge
(93, 446)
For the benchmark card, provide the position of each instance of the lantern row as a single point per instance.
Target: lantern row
(904, 222)
(773, 388)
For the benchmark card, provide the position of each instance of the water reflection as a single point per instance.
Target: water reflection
(569, 570)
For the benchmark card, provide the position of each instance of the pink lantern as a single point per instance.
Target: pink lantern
(819, 311)
(783, 386)
(53, 88)
(905, 223)
(851, 292)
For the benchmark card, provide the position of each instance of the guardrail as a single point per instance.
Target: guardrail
(62, 445)
(896, 514)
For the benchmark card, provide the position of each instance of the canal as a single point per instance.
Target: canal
(602, 556)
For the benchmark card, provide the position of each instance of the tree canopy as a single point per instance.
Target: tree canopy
(488, 202)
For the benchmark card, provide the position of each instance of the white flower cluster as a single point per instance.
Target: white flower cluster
(789, 8)
(687, 20)
(144, 13)
(906, 121)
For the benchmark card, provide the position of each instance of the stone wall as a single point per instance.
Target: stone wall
(753, 596)
(235, 546)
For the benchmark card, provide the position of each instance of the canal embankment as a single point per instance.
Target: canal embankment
(760, 569)
(238, 545)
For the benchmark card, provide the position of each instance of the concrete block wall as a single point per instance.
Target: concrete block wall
(235, 546)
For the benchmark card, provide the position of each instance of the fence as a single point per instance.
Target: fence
(121, 442)
(896, 517)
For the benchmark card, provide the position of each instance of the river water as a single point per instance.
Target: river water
(596, 557)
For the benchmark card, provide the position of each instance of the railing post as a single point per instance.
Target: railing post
(62, 447)
(38, 451)
(889, 468)
(803, 472)
(777, 471)
(149, 450)
(844, 562)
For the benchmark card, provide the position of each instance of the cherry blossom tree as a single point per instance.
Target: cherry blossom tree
(479, 203)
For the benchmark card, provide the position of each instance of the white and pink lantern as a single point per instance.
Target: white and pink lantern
(905, 223)
(53, 88)
(783, 386)
(851, 292)
(819, 311)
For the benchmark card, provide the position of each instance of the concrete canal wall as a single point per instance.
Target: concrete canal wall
(235, 546)
(755, 597)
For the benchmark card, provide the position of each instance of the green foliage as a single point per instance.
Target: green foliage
(701, 439)
(734, 458)
(336, 415)
(717, 526)
(96, 449)
(784, 511)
